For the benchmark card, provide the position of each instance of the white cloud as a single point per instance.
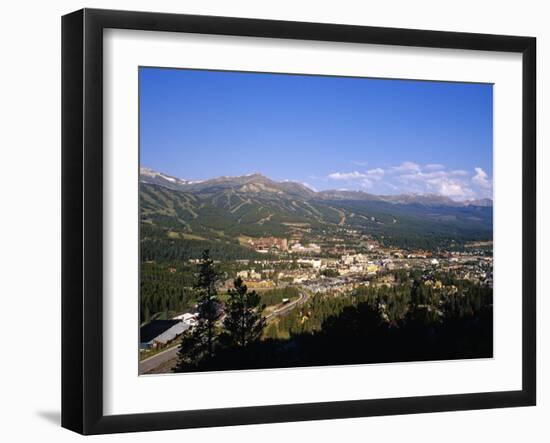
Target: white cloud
(454, 189)
(366, 183)
(409, 177)
(437, 182)
(459, 172)
(434, 167)
(482, 179)
(406, 166)
(347, 175)
(360, 163)
(363, 179)
(375, 173)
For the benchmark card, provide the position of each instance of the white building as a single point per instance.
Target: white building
(314, 263)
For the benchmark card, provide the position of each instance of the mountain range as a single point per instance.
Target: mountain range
(224, 209)
(259, 183)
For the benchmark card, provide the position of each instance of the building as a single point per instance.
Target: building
(314, 263)
(188, 318)
(242, 274)
(259, 284)
(372, 268)
(349, 259)
(265, 244)
(253, 275)
(301, 249)
(158, 333)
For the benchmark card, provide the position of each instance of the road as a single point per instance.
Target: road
(157, 362)
(165, 360)
(286, 308)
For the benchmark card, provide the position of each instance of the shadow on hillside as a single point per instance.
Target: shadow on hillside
(358, 335)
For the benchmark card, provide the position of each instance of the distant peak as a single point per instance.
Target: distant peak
(149, 175)
(147, 171)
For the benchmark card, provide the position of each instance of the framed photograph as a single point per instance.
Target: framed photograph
(269, 221)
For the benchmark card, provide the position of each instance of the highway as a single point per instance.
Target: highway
(288, 307)
(164, 361)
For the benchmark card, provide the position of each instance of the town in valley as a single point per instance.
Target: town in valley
(352, 253)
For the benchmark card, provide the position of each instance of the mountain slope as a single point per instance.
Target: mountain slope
(225, 209)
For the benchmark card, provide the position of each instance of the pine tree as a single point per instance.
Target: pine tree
(197, 346)
(193, 348)
(208, 305)
(243, 321)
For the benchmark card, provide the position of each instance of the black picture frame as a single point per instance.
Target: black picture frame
(82, 218)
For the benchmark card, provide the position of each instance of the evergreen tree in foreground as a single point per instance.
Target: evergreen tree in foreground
(193, 348)
(243, 321)
(197, 346)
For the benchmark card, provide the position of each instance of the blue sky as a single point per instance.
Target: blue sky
(376, 135)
